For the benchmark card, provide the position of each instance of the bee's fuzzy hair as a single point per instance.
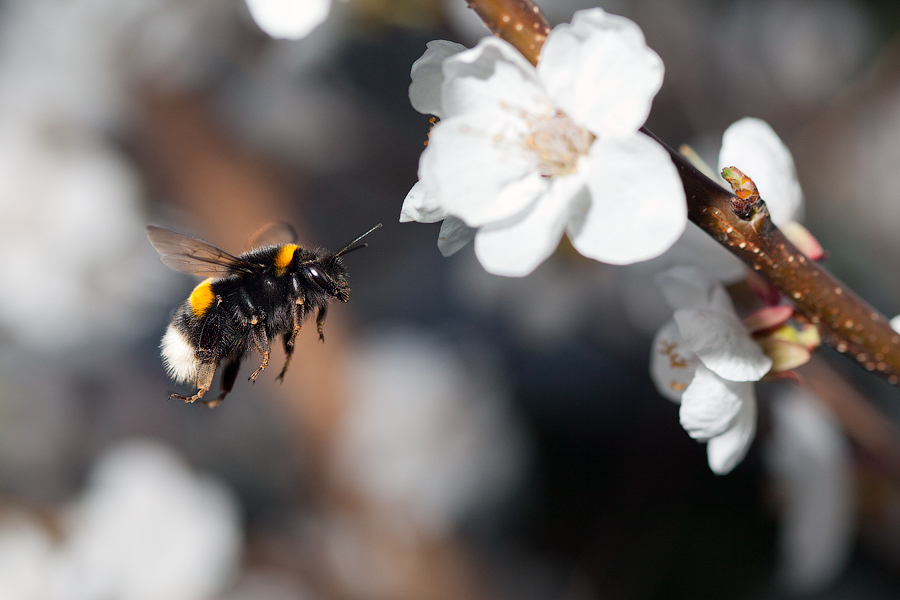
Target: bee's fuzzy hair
(178, 356)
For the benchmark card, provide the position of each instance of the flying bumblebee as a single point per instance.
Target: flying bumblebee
(245, 302)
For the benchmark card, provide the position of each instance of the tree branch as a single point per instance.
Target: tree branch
(519, 22)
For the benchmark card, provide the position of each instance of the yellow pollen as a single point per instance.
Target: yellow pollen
(676, 361)
(284, 257)
(677, 386)
(201, 298)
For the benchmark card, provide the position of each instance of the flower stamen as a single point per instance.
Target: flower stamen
(557, 143)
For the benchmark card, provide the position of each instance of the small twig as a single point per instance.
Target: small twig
(846, 321)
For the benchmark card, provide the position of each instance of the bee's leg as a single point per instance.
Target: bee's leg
(261, 340)
(228, 378)
(204, 381)
(289, 340)
(320, 321)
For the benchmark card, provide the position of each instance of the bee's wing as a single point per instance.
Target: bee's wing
(272, 234)
(196, 257)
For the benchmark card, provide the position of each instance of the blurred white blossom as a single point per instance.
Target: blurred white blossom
(705, 359)
(73, 265)
(146, 528)
(28, 563)
(289, 19)
(812, 463)
(80, 60)
(524, 153)
(427, 436)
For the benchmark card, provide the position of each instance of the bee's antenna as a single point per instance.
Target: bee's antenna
(353, 245)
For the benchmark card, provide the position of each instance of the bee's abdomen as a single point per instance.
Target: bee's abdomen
(179, 355)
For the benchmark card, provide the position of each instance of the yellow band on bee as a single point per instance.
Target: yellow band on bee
(201, 298)
(284, 257)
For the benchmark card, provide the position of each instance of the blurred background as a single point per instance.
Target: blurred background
(458, 435)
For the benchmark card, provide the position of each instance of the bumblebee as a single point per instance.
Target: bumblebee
(245, 302)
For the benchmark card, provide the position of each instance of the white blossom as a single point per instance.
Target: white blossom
(706, 360)
(428, 435)
(289, 19)
(522, 153)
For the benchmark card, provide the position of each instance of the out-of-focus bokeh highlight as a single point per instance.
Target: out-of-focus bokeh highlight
(458, 435)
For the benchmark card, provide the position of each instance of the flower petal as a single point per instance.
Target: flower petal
(722, 343)
(601, 73)
(672, 362)
(454, 235)
(421, 206)
(767, 318)
(686, 287)
(637, 208)
(427, 76)
(491, 76)
(289, 19)
(710, 404)
(725, 451)
(473, 173)
(516, 247)
(754, 148)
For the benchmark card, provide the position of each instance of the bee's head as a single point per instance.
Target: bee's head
(328, 273)
(329, 276)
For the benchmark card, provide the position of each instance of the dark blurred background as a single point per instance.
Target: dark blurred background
(458, 435)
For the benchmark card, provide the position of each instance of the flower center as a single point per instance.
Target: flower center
(557, 143)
